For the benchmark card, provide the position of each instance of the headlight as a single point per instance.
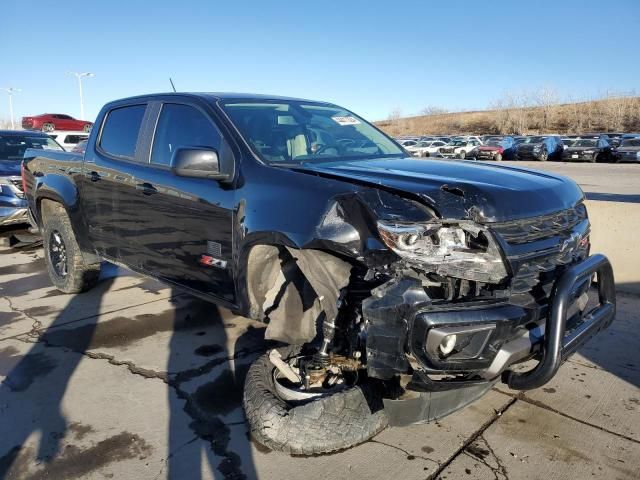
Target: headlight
(460, 249)
(588, 152)
(638, 154)
(537, 148)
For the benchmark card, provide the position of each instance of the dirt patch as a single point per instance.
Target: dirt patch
(549, 390)
(478, 451)
(123, 331)
(77, 462)
(80, 430)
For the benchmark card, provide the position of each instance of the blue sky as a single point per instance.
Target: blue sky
(367, 56)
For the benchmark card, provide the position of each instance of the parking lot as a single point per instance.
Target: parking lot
(135, 380)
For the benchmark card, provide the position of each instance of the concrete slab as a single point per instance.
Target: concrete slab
(528, 442)
(63, 415)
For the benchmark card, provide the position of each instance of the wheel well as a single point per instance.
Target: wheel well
(293, 290)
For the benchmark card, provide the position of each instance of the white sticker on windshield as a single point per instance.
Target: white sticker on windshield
(349, 120)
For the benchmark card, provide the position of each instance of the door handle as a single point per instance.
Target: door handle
(95, 176)
(146, 188)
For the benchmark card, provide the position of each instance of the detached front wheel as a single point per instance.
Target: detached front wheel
(285, 416)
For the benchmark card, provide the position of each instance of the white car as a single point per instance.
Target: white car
(68, 140)
(425, 148)
(459, 148)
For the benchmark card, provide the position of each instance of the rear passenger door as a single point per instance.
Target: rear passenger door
(186, 233)
(108, 189)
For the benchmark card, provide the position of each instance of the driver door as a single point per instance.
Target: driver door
(185, 236)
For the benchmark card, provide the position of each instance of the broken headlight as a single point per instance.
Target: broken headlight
(460, 249)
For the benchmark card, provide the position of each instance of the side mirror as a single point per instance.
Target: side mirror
(199, 163)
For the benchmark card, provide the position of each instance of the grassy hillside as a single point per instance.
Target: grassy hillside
(612, 114)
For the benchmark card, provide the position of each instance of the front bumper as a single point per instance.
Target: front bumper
(406, 330)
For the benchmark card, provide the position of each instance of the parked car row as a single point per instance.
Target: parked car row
(590, 147)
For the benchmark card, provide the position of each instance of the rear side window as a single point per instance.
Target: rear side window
(182, 126)
(120, 131)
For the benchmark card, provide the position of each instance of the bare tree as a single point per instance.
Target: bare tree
(546, 98)
(433, 110)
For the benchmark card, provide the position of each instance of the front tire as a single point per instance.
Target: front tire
(462, 155)
(498, 157)
(87, 128)
(322, 425)
(48, 127)
(544, 156)
(66, 266)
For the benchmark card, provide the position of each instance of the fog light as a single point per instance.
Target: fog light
(447, 344)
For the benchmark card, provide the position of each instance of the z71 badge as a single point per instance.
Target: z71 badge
(209, 261)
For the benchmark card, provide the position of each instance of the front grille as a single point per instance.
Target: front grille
(537, 248)
(524, 231)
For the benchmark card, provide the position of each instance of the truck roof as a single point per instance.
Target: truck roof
(218, 96)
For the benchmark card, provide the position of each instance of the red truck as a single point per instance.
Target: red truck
(48, 122)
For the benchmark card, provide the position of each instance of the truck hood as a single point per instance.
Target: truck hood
(459, 189)
(9, 168)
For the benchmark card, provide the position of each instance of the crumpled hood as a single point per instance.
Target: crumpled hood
(9, 168)
(458, 189)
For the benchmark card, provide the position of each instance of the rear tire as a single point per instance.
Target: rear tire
(324, 425)
(66, 266)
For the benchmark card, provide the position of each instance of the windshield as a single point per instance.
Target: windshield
(585, 143)
(494, 141)
(12, 147)
(424, 144)
(284, 131)
(458, 143)
(635, 142)
(534, 140)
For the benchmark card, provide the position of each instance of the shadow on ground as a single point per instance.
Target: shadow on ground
(210, 393)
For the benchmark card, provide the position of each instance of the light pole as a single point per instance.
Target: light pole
(10, 91)
(79, 76)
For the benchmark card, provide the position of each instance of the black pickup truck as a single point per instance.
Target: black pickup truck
(395, 290)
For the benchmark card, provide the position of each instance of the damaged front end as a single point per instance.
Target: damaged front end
(467, 302)
(437, 310)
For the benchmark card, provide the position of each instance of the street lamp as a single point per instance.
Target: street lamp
(79, 76)
(10, 91)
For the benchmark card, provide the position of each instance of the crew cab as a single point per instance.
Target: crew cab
(395, 290)
(48, 122)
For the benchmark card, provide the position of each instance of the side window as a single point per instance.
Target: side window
(182, 126)
(120, 131)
